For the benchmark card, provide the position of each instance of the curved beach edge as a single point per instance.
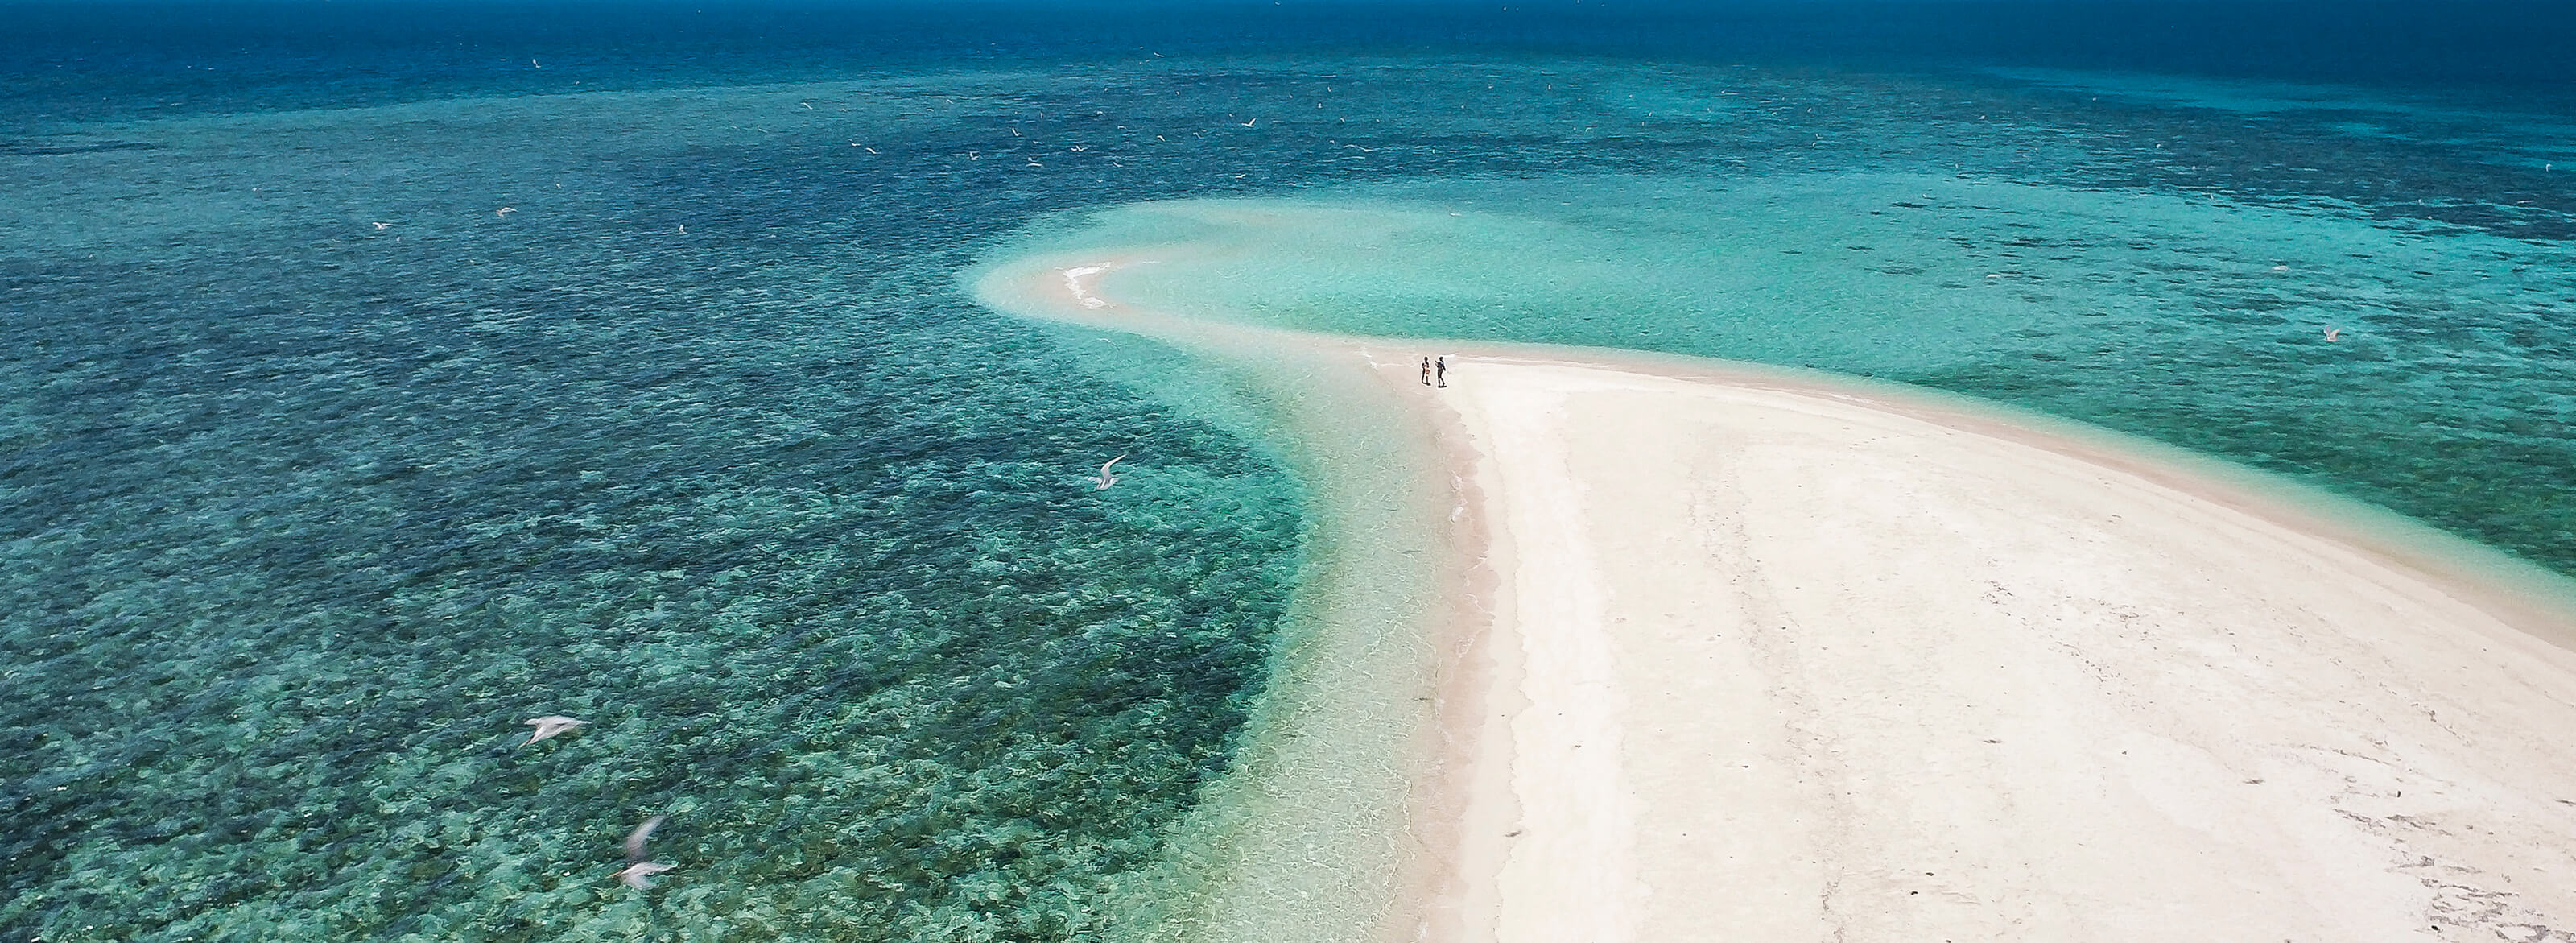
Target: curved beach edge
(1754, 648)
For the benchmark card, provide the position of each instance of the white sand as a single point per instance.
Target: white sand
(1783, 666)
(1752, 662)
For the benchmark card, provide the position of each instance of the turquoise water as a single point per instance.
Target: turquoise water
(2079, 279)
(2200, 320)
(303, 515)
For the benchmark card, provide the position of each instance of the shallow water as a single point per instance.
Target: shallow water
(306, 516)
(302, 515)
(2197, 315)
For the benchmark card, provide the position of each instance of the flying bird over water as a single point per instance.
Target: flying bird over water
(639, 871)
(384, 225)
(551, 725)
(505, 211)
(1102, 481)
(2332, 333)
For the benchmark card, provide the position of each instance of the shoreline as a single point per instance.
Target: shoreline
(1472, 878)
(2537, 603)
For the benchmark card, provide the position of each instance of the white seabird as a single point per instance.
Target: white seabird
(551, 725)
(638, 872)
(1102, 481)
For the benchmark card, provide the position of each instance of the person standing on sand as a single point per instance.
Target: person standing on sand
(1426, 371)
(1443, 364)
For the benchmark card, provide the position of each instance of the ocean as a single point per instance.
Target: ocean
(383, 375)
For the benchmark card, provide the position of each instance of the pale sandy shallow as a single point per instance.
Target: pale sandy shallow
(1755, 661)
(1778, 665)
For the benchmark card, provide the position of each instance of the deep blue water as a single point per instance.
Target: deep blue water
(303, 514)
(84, 61)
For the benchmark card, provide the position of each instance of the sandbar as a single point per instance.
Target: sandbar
(1751, 659)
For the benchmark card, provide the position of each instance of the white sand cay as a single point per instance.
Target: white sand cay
(1780, 665)
(1766, 661)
